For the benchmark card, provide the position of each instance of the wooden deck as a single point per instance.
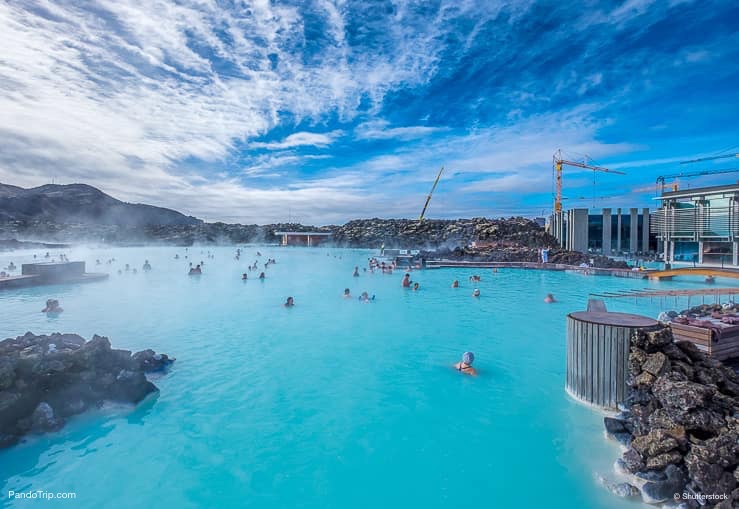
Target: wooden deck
(700, 271)
(17, 281)
(445, 264)
(721, 346)
(24, 281)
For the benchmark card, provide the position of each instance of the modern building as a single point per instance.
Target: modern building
(699, 225)
(611, 233)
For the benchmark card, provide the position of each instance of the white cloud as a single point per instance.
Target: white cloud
(380, 130)
(301, 139)
(152, 101)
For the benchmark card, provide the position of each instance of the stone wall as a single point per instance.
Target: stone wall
(679, 426)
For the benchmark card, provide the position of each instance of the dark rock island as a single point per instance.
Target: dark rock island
(46, 379)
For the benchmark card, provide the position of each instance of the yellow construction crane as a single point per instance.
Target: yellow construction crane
(558, 162)
(428, 198)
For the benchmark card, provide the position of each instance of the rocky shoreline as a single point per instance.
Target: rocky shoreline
(514, 239)
(46, 379)
(679, 426)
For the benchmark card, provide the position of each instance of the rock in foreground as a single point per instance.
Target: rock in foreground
(682, 417)
(46, 379)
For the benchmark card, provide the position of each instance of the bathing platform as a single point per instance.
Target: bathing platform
(715, 338)
(35, 274)
(650, 293)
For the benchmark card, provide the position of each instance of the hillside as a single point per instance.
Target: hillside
(81, 204)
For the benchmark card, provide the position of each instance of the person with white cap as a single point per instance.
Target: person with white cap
(465, 366)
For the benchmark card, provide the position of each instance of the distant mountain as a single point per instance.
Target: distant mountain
(80, 203)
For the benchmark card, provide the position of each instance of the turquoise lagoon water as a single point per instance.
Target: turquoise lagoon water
(332, 403)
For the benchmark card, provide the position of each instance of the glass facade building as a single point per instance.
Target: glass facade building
(699, 225)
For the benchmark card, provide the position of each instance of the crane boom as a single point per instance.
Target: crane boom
(661, 179)
(428, 198)
(558, 163)
(713, 158)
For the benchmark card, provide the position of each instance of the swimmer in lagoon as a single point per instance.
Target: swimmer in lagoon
(476, 292)
(416, 286)
(366, 298)
(475, 278)
(261, 276)
(244, 277)
(290, 302)
(52, 307)
(465, 366)
(147, 266)
(549, 298)
(455, 283)
(356, 272)
(347, 293)
(406, 283)
(196, 271)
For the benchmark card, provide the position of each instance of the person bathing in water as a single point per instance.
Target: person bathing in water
(347, 293)
(406, 283)
(195, 271)
(475, 278)
(416, 286)
(52, 307)
(455, 284)
(465, 366)
(476, 292)
(366, 298)
(290, 302)
(549, 298)
(261, 276)
(244, 276)
(356, 272)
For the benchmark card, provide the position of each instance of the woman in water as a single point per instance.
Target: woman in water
(356, 272)
(147, 266)
(416, 286)
(290, 302)
(465, 366)
(549, 298)
(52, 307)
(366, 298)
(476, 292)
(455, 284)
(244, 277)
(347, 293)
(261, 276)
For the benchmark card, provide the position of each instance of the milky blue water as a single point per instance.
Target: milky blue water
(330, 404)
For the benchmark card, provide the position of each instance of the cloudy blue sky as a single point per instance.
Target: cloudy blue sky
(321, 111)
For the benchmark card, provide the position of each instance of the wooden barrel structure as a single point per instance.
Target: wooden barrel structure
(598, 355)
